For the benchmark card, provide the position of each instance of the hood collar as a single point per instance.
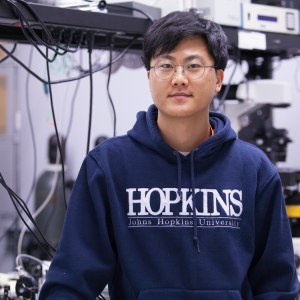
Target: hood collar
(146, 132)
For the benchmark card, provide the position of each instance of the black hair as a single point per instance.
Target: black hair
(166, 33)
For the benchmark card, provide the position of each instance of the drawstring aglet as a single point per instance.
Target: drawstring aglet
(197, 243)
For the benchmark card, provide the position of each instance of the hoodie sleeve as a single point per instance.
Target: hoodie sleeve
(85, 259)
(273, 273)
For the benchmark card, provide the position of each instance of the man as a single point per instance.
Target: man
(179, 208)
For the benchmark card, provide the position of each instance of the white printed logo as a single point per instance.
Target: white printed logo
(216, 210)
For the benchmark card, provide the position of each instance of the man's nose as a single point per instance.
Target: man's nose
(178, 71)
(179, 76)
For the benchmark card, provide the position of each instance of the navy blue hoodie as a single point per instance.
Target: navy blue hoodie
(154, 224)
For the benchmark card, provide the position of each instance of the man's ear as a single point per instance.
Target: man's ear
(220, 78)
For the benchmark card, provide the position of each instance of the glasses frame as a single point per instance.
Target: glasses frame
(175, 71)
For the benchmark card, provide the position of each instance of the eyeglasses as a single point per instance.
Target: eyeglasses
(165, 69)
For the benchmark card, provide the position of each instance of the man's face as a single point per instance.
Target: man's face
(180, 96)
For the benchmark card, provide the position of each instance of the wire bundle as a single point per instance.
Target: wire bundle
(19, 204)
(49, 41)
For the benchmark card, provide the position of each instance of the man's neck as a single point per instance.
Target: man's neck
(184, 134)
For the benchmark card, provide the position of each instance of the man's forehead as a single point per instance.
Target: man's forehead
(171, 57)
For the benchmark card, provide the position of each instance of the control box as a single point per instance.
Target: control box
(270, 18)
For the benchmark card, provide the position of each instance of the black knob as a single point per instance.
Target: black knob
(102, 5)
(24, 286)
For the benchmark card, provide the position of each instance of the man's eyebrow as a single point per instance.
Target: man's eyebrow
(167, 56)
(188, 58)
(195, 56)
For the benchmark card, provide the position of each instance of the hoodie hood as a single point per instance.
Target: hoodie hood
(145, 131)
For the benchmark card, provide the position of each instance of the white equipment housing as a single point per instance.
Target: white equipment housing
(265, 91)
(270, 18)
(255, 92)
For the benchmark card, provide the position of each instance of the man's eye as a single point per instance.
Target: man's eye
(194, 66)
(166, 66)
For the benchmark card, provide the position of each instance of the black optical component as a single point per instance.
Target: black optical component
(102, 5)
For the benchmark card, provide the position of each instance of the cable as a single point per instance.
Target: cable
(71, 79)
(36, 46)
(58, 157)
(31, 129)
(47, 33)
(90, 41)
(7, 56)
(36, 213)
(72, 110)
(17, 200)
(56, 130)
(99, 67)
(41, 262)
(10, 54)
(22, 19)
(107, 87)
(47, 222)
(12, 225)
(53, 208)
(55, 179)
(21, 64)
(222, 100)
(49, 82)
